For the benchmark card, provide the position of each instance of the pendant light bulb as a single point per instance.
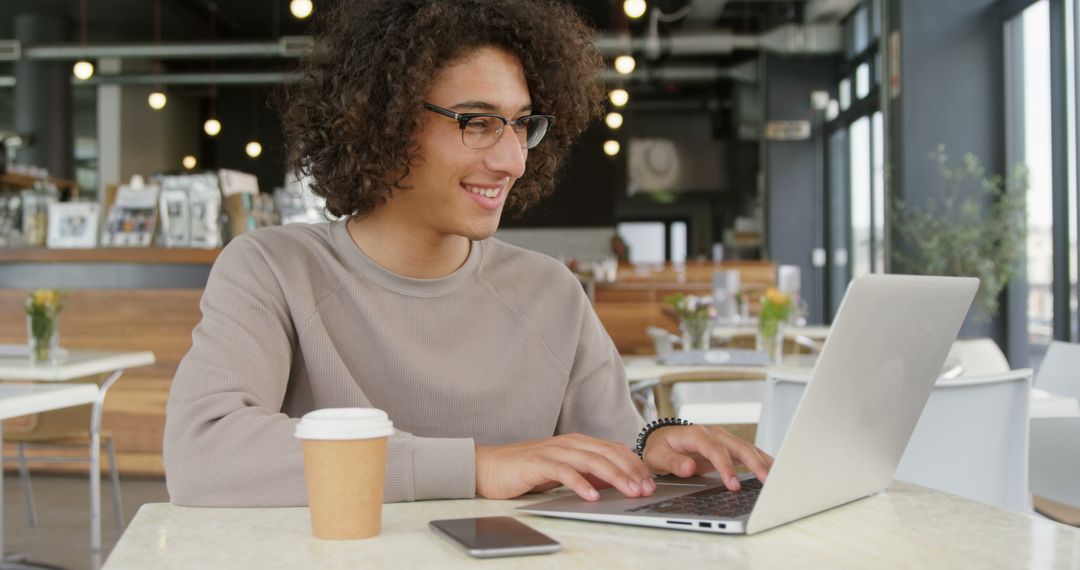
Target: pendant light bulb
(634, 8)
(157, 100)
(212, 127)
(83, 70)
(611, 148)
(301, 8)
(253, 149)
(619, 97)
(613, 120)
(625, 64)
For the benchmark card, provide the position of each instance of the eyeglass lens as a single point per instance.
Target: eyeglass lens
(482, 132)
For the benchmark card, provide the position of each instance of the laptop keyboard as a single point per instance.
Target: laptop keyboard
(714, 501)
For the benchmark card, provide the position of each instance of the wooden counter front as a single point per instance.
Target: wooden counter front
(151, 255)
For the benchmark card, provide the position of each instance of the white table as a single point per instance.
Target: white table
(642, 372)
(80, 364)
(816, 333)
(23, 399)
(905, 527)
(644, 368)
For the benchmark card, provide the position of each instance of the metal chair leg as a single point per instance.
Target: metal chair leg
(27, 488)
(114, 472)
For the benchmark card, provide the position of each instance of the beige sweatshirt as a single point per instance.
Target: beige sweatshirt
(296, 318)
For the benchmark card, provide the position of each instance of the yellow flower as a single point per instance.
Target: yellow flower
(44, 297)
(775, 297)
(45, 301)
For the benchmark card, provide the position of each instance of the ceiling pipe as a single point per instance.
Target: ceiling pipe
(285, 47)
(683, 74)
(676, 73)
(686, 43)
(790, 38)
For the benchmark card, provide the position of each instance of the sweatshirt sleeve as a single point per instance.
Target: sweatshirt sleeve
(228, 444)
(597, 401)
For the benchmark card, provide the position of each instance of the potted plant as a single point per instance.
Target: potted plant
(695, 315)
(43, 308)
(976, 228)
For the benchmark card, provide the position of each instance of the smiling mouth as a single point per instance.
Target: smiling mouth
(485, 191)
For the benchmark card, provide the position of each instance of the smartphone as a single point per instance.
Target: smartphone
(491, 537)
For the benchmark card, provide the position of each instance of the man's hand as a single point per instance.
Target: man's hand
(580, 462)
(693, 450)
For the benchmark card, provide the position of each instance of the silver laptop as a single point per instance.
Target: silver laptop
(866, 393)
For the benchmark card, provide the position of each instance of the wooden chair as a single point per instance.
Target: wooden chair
(731, 416)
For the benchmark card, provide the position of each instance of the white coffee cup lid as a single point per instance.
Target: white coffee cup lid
(344, 423)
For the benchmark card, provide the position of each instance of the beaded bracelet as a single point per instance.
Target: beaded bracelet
(653, 426)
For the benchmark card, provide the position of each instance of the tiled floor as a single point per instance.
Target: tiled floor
(62, 537)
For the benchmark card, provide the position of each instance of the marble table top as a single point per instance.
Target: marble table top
(906, 526)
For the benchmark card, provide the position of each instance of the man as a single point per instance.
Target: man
(420, 122)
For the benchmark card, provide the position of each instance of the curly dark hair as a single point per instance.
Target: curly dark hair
(350, 122)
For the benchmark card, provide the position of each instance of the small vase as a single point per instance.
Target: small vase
(770, 340)
(695, 334)
(43, 333)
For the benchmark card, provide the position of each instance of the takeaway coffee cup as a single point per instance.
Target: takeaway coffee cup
(345, 464)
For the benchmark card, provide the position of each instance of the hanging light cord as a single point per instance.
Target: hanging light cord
(157, 42)
(82, 22)
(213, 62)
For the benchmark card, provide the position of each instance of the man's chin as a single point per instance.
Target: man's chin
(483, 230)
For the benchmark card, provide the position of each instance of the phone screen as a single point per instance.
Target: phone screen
(495, 536)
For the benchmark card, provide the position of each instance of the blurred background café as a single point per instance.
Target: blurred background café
(753, 153)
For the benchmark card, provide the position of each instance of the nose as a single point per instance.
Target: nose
(506, 155)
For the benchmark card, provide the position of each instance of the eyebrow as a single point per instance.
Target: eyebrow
(485, 106)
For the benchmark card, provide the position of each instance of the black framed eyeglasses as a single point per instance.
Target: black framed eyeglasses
(483, 130)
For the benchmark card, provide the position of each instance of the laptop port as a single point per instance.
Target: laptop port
(705, 524)
(687, 523)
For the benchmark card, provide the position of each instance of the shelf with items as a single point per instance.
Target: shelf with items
(14, 182)
(147, 255)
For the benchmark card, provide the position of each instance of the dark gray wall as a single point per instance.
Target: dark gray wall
(43, 97)
(794, 207)
(952, 92)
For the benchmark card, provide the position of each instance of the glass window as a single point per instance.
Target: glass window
(646, 240)
(875, 18)
(862, 80)
(877, 69)
(878, 128)
(1030, 143)
(844, 92)
(678, 242)
(860, 192)
(861, 29)
(849, 37)
(839, 238)
(1071, 62)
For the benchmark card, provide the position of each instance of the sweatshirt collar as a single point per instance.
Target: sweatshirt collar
(367, 268)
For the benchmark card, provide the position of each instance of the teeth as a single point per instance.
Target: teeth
(487, 192)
